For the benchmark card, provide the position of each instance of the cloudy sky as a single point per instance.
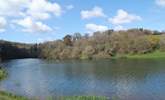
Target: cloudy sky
(33, 21)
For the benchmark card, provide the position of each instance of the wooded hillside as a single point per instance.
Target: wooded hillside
(100, 45)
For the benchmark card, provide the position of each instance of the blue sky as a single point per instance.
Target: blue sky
(34, 21)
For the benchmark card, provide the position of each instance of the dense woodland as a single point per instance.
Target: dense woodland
(13, 50)
(100, 45)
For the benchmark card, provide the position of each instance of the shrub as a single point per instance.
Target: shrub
(3, 73)
(88, 52)
(162, 43)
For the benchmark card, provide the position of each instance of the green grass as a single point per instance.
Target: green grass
(78, 98)
(153, 55)
(10, 96)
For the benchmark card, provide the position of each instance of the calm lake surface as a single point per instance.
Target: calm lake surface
(123, 79)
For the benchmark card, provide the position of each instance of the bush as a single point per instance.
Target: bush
(3, 73)
(162, 43)
(65, 53)
(88, 52)
(76, 53)
(154, 41)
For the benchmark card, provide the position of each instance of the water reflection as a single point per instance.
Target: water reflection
(125, 79)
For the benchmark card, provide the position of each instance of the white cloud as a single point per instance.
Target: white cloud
(3, 24)
(42, 9)
(31, 26)
(31, 7)
(12, 7)
(94, 27)
(95, 12)
(37, 10)
(69, 7)
(123, 17)
(39, 15)
(160, 3)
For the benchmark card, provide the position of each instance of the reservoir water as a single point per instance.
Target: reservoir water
(124, 79)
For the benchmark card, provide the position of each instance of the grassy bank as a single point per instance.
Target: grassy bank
(78, 98)
(10, 96)
(153, 55)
